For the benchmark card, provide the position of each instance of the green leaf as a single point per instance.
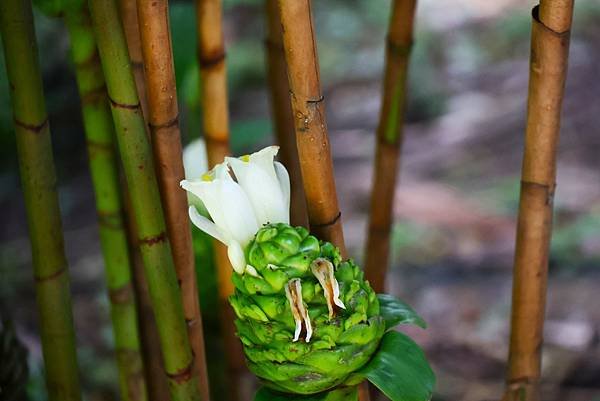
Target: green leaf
(396, 312)
(400, 370)
(340, 394)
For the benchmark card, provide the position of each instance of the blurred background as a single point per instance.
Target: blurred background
(456, 199)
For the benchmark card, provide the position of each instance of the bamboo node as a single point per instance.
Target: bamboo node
(123, 105)
(183, 375)
(548, 189)
(93, 95)
(35, 128)
(121, 295)
(168, 124)
(210, 60)
(59, 272)
(112, 220)
(535, 13)
(157, 239)
(399, 49)
(329, 223)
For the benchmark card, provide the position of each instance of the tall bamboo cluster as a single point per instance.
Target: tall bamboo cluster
(215, 120)
(163, 118)
(99, 130)
(281, 111)
(141, 180)
(389, 141)
(38, 180)
(547, 76)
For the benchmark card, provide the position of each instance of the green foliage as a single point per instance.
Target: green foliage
(400, 370)
(396, 312)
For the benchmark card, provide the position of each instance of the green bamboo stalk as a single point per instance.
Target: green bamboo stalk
(99, 131)
(139, 171)
(38, 179)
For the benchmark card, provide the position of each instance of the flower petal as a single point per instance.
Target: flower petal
(264, 159)
(206, 225)
(236, 257)
(284, 182)
(293, 292)
(263, 190)
(194, 159)
(323, 270)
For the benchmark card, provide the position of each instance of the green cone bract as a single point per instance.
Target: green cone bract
(340, 343)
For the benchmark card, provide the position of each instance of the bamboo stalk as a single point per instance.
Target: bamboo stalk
(215, 120)
(312, 140)
(309, 121)
(389, 141)
(548, 69)
(282, 113)
(99, 130)
(154, 365)
(163, 117)
(38, 179)
(137, 160)
(129, 18)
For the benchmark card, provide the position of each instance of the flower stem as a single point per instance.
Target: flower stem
(139, 171)
(38, 179)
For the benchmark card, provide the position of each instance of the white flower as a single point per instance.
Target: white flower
(195, 163)
(239, 208)
(266, 183)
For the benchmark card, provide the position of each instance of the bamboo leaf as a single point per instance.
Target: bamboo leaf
(341, 394)
(396, 312)
(400, 370)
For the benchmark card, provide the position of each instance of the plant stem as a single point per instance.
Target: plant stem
(99, 130)
(309, 124)
(389, 141)
(548, 69)
(282, 113)
(154, 366)
(215, 121)
(38, 179)
(129, 18)
(137, 161)
(163, 117)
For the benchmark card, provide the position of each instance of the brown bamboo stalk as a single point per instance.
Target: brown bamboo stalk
(389, 141)
(282, 113)
(312, 141)
(215, 120)
(163, 118)
(153, 362)
(324, 215)
(129, 17)
(548, 70)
